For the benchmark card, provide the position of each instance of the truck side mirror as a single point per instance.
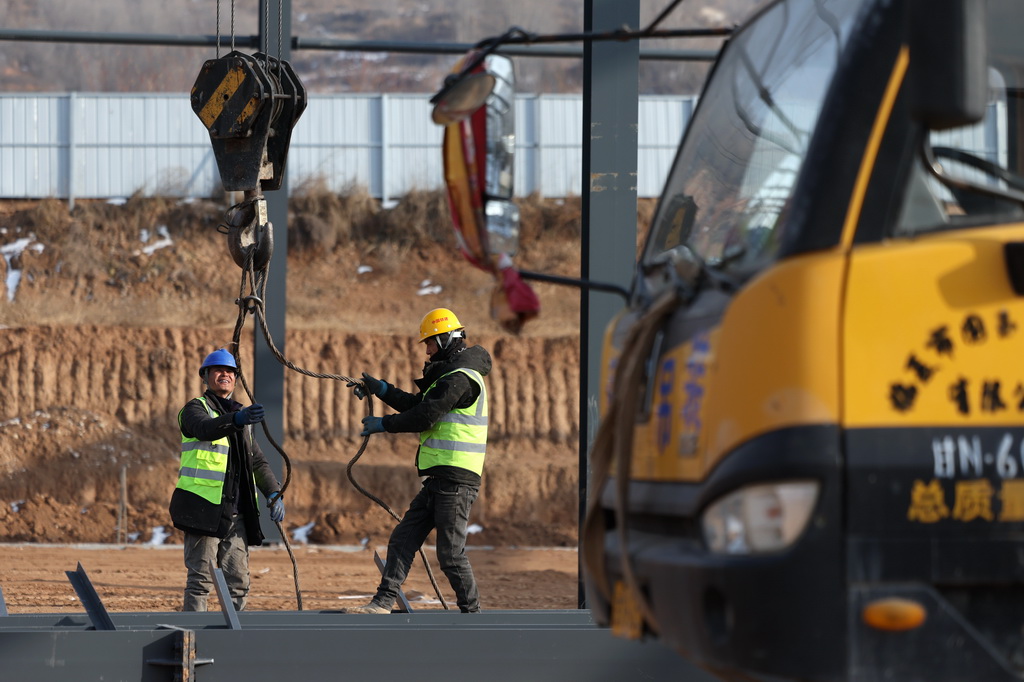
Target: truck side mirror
(948, 73)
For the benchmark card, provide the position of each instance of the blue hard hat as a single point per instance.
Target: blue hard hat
(219, 358)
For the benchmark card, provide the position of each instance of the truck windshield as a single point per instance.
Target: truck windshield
(979, 167)
(747, 142)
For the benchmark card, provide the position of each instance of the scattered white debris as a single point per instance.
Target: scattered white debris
(165, 240)
(159, 535)
(364, 541)
(117, 201)
(474, 528)
(363, 269)
(301, 534)
(16, 505)
(11, 251)
(133, 537)
(426, 288)
(265, 569)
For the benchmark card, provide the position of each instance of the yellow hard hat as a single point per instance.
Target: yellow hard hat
(438, 321)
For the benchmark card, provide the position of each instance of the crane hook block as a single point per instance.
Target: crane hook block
(289, 103)
(245, 101)
(250, 233)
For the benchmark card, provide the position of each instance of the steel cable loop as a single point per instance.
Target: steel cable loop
(217, 51)
(258, 286)
(615, 437)
(235, 341)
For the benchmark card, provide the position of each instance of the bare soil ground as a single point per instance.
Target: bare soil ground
(152, 578)
(108, 312)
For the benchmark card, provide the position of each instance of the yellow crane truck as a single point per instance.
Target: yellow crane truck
(811, 459)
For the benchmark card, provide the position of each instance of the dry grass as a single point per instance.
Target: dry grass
(320, 222)
(94, 266)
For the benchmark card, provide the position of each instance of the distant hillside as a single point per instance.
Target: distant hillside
(62, 67)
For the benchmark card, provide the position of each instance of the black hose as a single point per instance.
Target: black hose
(383, 505)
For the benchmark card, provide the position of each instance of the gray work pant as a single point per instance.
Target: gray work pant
(204, 553)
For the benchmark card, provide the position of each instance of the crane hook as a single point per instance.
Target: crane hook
(249, 229)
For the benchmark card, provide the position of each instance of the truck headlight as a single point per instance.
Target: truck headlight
(759, 518)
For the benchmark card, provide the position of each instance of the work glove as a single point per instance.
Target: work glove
(372, 425)
(276, 505)
(375, 387)
(249, 415)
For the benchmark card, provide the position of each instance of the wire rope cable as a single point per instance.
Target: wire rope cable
(254, 303)
(613, 448)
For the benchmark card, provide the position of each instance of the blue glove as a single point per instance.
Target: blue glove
(249, 415)
(276, 505)
(376, 387)
(372, 425)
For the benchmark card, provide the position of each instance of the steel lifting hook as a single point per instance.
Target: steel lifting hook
(249, 230)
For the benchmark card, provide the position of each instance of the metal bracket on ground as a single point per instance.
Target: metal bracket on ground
(185, 649)
(90, 600)
(226, 605)
(403, 603)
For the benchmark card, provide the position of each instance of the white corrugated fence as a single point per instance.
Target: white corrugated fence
(78, 145)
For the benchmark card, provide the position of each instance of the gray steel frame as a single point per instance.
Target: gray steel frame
(309, 646)
(268, 373)
(171, 646)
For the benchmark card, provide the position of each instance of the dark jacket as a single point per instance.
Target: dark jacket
(418, 412)
(193, 514)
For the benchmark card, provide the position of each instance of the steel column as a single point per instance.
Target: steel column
(610, 106)
(268, 373)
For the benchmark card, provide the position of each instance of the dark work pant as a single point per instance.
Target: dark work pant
(443, 505)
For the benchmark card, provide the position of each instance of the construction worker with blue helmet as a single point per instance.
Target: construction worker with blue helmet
(215, 501)
(449, 412)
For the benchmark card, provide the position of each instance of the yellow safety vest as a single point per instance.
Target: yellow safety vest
(459, 438)
(204, 464)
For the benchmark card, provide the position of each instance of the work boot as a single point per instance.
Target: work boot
(372, 607)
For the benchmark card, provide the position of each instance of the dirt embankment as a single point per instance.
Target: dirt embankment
(85, 403)
(102, 337)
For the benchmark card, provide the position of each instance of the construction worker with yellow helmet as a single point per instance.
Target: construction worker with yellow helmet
(449, 410)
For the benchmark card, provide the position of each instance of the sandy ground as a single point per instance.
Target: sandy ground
(138, 579)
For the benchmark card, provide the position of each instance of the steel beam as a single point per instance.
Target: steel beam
(403, 601)
(90, 599)
(329, 44)
(227, 606)
(311, 646)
